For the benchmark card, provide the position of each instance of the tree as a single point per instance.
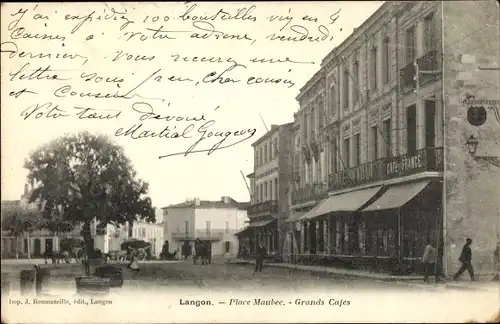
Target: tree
(84, 178)
(19, 221)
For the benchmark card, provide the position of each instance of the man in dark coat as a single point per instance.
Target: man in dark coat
(465, 258)
(259, 257)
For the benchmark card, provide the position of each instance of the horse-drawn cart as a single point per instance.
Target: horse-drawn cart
(142, 248)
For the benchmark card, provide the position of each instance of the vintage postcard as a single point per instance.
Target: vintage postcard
(232, 162)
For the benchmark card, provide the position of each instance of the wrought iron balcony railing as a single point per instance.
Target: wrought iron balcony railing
(428, 159)
(310, 192)
(270, 206)
(427, 62)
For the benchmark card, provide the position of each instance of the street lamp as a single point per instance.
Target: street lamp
(472, 143)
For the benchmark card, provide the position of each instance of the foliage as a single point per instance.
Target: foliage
(85, 177)
(17, 220)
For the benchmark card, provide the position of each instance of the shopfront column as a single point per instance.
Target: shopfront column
(339, 238)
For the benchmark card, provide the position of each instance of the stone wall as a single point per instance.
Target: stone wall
(471, 41)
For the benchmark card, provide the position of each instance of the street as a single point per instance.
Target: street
(179, 289)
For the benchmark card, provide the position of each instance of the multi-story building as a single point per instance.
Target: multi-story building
(213, 221)
(368, 163)
(270, 189)
(369, 149)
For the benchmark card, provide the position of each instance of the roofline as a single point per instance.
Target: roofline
(271, 132)
(345, 43)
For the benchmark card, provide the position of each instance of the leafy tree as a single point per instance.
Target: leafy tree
(84, 178)
(18, 221)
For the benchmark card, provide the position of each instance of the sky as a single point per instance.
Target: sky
(234, 106)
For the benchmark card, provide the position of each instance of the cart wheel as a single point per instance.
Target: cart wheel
(141, 254)
(79, 254)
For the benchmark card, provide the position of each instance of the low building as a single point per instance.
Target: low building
(214, 221)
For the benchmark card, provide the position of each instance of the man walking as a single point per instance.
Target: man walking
(465, 258)
(260, 256)
(429, 260)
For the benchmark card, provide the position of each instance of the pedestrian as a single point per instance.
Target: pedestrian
(260, 256)
(496, 258)
(429, 260)
(134, 263)
(466, 259)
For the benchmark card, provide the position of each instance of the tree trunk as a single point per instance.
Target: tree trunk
(28, 243)
(87, 238)
(16, 242)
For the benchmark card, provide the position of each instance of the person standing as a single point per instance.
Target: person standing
(466, 259)
(496, 258)
(134, 262)
(429, 260)
(260, 256)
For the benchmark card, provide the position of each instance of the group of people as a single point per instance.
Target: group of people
(430, 256)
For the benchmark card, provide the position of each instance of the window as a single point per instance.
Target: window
(256, 161)
(429, 33)
(265, 191)
(385, 57)
(373, 68)
(333, 156)
(271, 191)
(387, 137)
(347, 153)
(208, 229)
(355, 75)
(321, 116)
(318, 171)
(310, 173)
(275, 147)
(411, 129)
(313, 121)
(261, 156)
(346, 89)
(227, 246)
(257, 197)
(333, 100)
(374, 142)
(186, 226)
(227, 227)
(265, 152)
(410, 45)
(271, 148)
(357, 147)
(276, 189)
(306, 134)
(430, 123)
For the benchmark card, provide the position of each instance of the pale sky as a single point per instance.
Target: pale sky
(175, 178)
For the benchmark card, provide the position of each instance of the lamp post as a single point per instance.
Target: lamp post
(472, 144)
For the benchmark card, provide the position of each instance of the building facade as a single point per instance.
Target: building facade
(368, 149)
(214, 221)
(37, 243)
(270, 190)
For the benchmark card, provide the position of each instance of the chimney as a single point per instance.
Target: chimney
(225, 199)
(196, 201)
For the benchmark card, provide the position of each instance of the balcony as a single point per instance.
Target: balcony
(427, 62)
(309, 193)
(214, 235)
(428, 159)
(266, 207)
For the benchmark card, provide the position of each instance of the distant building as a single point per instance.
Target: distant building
(37, 243)
(214, 221)
(270, 189)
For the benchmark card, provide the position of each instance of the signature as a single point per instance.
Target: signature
(181, 127)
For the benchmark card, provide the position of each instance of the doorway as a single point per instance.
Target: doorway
(37, 248)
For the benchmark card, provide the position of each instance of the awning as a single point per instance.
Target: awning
(294, 217)
(312, 213)
(397, 195)
(346, 202)
(261, 223)
(243, 231)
